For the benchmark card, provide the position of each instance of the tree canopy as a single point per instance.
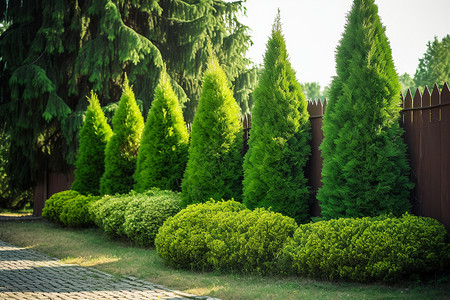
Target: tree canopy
(365, 169)
(434, 66)
(53, 53)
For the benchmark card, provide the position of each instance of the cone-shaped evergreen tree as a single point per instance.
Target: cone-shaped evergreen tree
(365, 168)
(163, 153)
(90, 163)
(214, 168)
(278, 145)
(122, 148)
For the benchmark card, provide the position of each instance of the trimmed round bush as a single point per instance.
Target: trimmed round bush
(109, 213)
(55, 204)
(75, 212)
(366, 249)
(146, 213)
(224, 236)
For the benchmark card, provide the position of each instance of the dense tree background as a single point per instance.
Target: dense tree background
(54, 52)
(365, 169)
(434, 66)
(278, 144)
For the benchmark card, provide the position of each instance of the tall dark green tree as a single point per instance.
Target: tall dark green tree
(365, 168)
(434, 67)
(163, 153)
(214, 168)
(278, 145)
(90, 163)
(123, 146)
(53, 53)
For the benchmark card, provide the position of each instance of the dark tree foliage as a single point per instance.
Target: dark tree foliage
(163, 153)
(90, 163)
(365, 168)
(53, 53)
(123, 146)
(214, 168)
(278, 145)
(434, 67)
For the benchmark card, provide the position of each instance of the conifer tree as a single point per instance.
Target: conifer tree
(365, 168)
(53, 53)
(278, 145)
(122, 148)
(214, 168)
(163, 153)
(90, 163)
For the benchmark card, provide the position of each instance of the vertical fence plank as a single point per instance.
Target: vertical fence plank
(416, 153)
(434, 147)
(425, 165)
(445, 156)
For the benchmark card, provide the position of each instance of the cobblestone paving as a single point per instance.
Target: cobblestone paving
(27, 274)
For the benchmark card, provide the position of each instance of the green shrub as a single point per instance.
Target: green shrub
(146, 213)
(109, 213)
(75, 212)
(55, 204)
(224, 236)
(382, 248)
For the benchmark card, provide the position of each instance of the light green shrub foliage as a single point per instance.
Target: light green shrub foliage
(75, 212)
(366, 249)
(214, 168)
(224, 236)
(122, 148)
(90, 163)
(163, 153)
(109, 213)
(365, 168)
(55, 204)
(146, 213)
(278, 146)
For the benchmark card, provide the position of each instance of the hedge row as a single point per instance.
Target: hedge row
(136, 216)
(227, 236)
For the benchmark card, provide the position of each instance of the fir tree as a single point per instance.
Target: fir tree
(122, 148)
(365, 169)
(214, 168)
(90, 163)
(53, 53)
(162, 156)
(278, 145)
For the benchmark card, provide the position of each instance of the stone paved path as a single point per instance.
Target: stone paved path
(27, 274)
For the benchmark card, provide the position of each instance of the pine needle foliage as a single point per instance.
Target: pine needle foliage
(122, 148)
(90, 163)
(53, 53)
(279, 140)
(163, 153)
(214, 168)
(365, 168)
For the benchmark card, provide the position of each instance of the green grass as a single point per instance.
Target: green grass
(27, 211)
(90, 247)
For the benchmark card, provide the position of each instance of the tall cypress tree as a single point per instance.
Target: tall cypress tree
(365, 168)
(214, 168)
(278, 145)
(90, 163)
(122, 148)
(163, 153)
(54, 53)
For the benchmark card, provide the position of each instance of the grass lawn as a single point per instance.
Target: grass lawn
(27, 211)
(90, 247)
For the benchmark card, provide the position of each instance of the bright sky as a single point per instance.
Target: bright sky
(313, 28)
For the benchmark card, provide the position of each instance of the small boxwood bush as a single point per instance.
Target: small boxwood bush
(224, 235)
(146, 213)
(75, 212)
(381, 248)
(55, 204)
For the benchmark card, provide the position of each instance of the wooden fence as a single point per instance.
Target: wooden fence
(426, 121)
